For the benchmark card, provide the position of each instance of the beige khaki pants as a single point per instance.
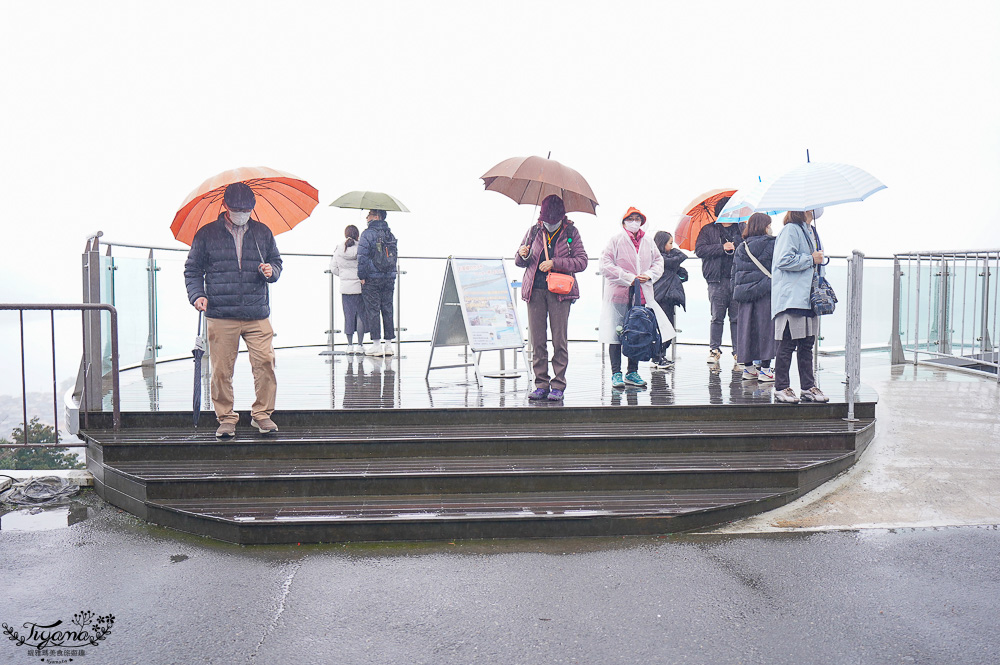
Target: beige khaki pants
(223, 344)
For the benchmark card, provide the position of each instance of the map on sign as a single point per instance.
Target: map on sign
(484, 293)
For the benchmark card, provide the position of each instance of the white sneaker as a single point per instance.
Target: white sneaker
(387, 349)
(375, 349)
(787, 396)
(814, 394)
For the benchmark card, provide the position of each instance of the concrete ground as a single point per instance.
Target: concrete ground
(935, 460)
(893, 562)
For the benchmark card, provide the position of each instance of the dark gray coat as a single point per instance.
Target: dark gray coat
(749, 283)
(212, 271)
(669, 289)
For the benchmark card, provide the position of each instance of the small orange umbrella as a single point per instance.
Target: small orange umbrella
(696, 216)
(531, 179)
(282, 200)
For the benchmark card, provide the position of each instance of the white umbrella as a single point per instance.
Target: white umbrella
(809, 186)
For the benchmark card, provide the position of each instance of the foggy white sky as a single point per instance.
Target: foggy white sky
(113, 111)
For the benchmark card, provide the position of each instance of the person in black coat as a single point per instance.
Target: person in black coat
(231, 262)
(715, 247)
(752, 292)
(669, 289)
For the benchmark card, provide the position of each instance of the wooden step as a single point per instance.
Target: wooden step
(155, 480)
(520, 438)
(427, 517)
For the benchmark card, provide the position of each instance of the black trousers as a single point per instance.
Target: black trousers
(803, 349)
(615, 352)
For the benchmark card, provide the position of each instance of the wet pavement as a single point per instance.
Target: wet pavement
(925, 595)
(935, 460)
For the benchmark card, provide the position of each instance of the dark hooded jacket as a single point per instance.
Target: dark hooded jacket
(716, 263)
(366, 247)
(749, 283)
(669, 289)
(212, 271)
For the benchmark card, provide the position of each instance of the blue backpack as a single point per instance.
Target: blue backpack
(640, 334)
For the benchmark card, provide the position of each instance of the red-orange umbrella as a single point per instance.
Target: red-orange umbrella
(282, 200)
(531, 179)
(697, 214)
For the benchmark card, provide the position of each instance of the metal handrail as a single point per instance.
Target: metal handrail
(52, 308)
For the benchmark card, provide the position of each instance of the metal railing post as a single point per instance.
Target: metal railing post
(332, 332)
(895, 341)
(944, 320)
(852, 348)
(399, 309)
(985, 340)
(152, 342)
(92, 352)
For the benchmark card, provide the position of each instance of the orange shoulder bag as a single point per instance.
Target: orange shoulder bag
(558, 282)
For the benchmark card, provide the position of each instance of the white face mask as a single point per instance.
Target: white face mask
(632, 226)
(239, 218)
(551, 227)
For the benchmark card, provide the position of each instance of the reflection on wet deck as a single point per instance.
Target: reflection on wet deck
(308, 380)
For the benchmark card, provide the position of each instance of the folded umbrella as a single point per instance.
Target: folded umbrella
(531, 179)
(197, 352)
(283, 200)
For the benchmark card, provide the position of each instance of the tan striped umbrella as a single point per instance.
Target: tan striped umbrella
(283, 200)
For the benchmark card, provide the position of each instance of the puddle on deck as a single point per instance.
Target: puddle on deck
(44, 519)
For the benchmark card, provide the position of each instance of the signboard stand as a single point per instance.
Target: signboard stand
(476, 310)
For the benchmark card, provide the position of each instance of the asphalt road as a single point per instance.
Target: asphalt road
(926, 595)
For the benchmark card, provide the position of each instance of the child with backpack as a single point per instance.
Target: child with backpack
(669, 288)
(377, 255)
(630, 258)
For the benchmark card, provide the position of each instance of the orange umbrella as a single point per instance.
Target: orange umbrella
(282, 200)
(697, 214)
(531, 179)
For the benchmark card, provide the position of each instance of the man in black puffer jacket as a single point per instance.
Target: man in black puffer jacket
(715, 247)
(378, 284)
(230, 264)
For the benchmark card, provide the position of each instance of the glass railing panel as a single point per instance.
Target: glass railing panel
(177, 320)
(299, 301)
(131, 297)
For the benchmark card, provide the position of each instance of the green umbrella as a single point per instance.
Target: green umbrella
(370, 201)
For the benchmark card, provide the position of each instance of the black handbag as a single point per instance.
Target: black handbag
(822, 297)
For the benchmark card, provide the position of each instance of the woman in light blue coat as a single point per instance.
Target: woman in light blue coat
(797, 253)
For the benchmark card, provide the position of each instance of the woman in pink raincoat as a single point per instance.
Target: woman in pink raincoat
(630, 257)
